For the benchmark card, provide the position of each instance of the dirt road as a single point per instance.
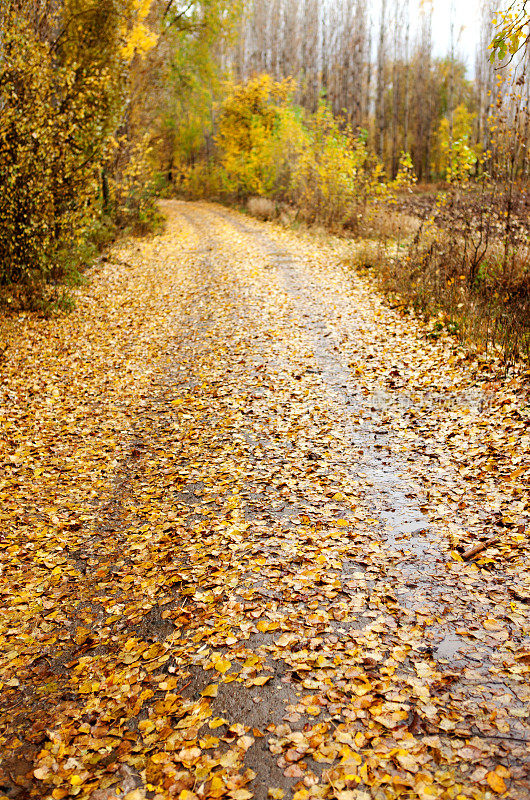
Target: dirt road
(252, 583)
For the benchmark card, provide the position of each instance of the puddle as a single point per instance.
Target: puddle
(450, 645)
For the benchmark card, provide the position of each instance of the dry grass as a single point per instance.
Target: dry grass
(262, 208)
(387, 223)
(490, 308)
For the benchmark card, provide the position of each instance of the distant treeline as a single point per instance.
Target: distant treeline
(380, 75)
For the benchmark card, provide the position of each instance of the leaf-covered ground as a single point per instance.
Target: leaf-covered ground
(236, 493)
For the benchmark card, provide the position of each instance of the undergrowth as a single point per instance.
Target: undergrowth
(490, 309)
(53, 291)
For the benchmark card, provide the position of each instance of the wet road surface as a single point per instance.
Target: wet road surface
(272, 590)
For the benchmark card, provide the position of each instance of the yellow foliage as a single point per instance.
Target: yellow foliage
(335, 176)
(62, 101)
(511, 30)
(406, 177)
(140, 40)
(250, 117)
(454, 157)
(269, 147)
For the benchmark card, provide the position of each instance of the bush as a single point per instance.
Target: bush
(201, 181)
(267, 147)
(62, 89)
(253, 119)
(458, 266)
(262, 208)
(335, 178)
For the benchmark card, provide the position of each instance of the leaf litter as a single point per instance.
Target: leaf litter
(237, 490)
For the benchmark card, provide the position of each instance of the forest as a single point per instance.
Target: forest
(264, 400)
(333, 113)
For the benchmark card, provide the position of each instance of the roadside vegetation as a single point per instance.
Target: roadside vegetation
(459, 253)
(107, 105)
(81, 110)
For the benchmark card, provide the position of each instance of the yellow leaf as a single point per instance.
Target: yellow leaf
(407, 761)
(286, 639)
(222, 665)
(492, 624)
(41, 773)
(265, 625)
(245, 742)
(216, 722)
(360, 691)
(208, 741)
(261, 681)
(87, 687)
(217, 786)
(189, 755)
(211, 690)
(496, 782)
(346, 753)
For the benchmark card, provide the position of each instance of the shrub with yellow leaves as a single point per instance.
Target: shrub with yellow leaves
(455, 158)
(336, 177)
(63, 80)
(253, 119)
(268, 147)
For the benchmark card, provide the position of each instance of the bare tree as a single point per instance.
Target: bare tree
(379, 99)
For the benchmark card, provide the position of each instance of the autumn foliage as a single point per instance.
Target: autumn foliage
(202, 597)
(270, 147)
(264, 530)
(63, 79)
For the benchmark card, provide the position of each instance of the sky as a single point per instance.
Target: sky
(467, 17)
(467, 27)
